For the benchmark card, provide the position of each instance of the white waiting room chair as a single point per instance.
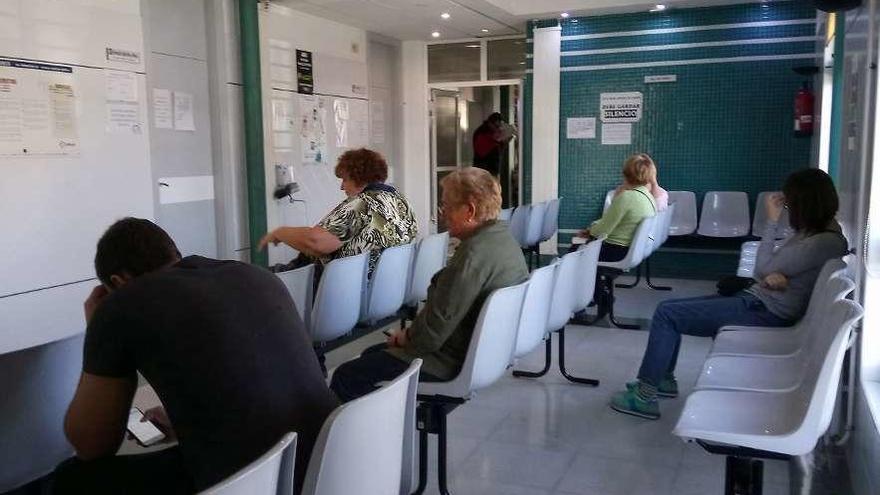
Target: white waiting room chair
(749, 426)
(609, 198)
(725, 214)
(38, 384)
(536, 309)
(573, 287)
(489, 354)
(533, 231)
(300, 284)
(783, 228)
(362, 446)
(385, 291)
(684, 218)
(343, 280)
(829, 287)
(551, 219)
(271, 474)
(777, 374)
(519, 221)
(430, 257)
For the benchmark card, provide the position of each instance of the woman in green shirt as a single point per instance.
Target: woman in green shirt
(635, 203)
(487, 259)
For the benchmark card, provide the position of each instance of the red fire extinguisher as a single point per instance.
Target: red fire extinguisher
(803, 111)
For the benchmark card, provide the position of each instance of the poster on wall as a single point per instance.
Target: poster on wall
(580, 128)
(616, 133)
(341, 118)
(123, 108)
(358, 124)
(377, 122)
(621, 107)
(37, 109)
(184, 111)
(162, 109)
(305, 79)
(283, 124)
(313, 130)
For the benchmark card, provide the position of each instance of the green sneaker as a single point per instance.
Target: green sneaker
(668, 388)
(628, 402)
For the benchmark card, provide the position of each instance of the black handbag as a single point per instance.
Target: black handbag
(729, 286)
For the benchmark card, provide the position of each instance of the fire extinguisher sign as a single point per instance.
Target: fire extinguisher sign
(621, 107)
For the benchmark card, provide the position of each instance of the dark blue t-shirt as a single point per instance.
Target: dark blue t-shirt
(222, 344)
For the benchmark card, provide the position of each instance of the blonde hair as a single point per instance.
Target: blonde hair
(639, 169)
(477, 186)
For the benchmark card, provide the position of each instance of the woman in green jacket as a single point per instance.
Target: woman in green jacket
(487, 259)
(635, 203)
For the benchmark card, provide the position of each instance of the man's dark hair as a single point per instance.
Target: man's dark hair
(495, 118)
(812, 200)
(133, 246)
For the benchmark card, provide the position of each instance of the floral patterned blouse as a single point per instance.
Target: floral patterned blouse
(377, 218)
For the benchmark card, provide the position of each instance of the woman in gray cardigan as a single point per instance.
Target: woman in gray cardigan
(488, 258)
(784, 280)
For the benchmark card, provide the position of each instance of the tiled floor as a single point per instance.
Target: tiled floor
(548, 436)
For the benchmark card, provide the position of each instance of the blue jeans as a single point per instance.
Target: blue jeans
(702, 317)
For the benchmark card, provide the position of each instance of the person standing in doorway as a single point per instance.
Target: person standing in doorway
(489, 142)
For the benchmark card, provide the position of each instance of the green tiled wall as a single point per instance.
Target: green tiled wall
(721, 126)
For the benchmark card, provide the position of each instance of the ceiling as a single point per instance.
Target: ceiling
(417, 19)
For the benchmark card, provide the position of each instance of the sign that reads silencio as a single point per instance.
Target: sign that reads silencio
(305, 80)
(621, 107)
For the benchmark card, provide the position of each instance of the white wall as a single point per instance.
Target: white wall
(53, 209)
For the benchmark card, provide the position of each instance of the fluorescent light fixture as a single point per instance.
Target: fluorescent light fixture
(471, 46)
(564, 15)
(658, 8)
(445, 15)
(574, 21)
(484, 30)
(435, 34)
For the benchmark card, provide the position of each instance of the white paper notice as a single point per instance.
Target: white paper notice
(581, 128)
(616, 133)
(377, 122)
(163, 117)
(123, 109)
(621, 107)
(183, 112)
(341, 116)
(313, 130)
(282, 115)
(121, 86)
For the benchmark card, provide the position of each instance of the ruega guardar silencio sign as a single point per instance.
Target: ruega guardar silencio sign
(621, 107)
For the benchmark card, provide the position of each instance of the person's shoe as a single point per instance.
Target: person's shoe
(628, 402)
(668, 388)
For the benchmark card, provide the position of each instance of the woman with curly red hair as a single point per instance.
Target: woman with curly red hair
(374, 216)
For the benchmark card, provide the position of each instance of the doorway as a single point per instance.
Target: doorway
(456, 113)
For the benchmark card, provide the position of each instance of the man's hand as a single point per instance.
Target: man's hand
(398, 338)
(775, 281)
(159, 417)
(775, 203)
(585, 233)
(93, 301)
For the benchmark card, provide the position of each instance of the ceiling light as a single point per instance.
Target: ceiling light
(564, 15)
(435, 34)
(574, 21)
(484, 30)
(658, 8)
(522, 63)
(471, 46)
(444, 15)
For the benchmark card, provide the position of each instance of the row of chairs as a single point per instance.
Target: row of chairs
(533, 224)
(769, 393)
(398, 284)
(724, 214)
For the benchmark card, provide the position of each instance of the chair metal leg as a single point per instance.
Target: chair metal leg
(638, 279)
(743, 476)
(441, 455)
(648, 277)
(548, 351)
(611, 317)
(584, 381)
(423, 462)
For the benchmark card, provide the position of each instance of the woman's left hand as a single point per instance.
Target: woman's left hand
(398, 338)
(775, 203)
(270, 237)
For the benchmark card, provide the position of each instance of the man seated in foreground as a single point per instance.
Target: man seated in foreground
(487, 259)
(222, 345)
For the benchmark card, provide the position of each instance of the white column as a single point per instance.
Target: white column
(545, 119)
(415, 152)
